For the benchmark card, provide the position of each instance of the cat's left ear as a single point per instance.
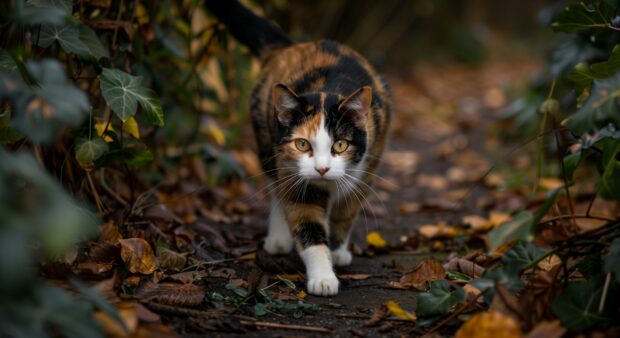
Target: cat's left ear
(357, 106)
(285, 102)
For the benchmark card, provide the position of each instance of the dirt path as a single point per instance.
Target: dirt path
(433, 162)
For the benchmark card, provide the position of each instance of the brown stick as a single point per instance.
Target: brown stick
(284, 326)
(576, 216)
(360, 316)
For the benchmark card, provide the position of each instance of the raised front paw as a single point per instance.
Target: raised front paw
(323, 286)
(279, 243)
(342, 257)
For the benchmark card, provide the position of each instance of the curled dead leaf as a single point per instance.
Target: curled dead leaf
(427, 271)
(491, 324)
(437, 230)
(465, 266)
(377, 316)
(138, 256)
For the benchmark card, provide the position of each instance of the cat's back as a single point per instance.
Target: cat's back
(322, 65)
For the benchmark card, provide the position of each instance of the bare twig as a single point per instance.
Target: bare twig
(285, 326)
(586, 216)
(601, 304)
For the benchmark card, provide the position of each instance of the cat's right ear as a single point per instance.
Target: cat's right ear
(285, 102)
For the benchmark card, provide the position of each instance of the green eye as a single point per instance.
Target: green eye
(340, 146)
(302, 145)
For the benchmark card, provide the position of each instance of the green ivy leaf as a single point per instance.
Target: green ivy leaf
(577, 305)
(591, 266)
(123, 92)
(584, 74)
(585, 15)
(260, 309)
(507, 276)
(68, 36)
(88, 151)
(40, 111)
(609, 183)
(92, 42)
(522, 255)
(522, 225)
(570, 163)
(35, 12)
(288, 283)
(612, 262)
(439, 299)
(7, 63)
(601, 108)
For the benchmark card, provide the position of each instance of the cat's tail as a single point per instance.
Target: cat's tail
(257, 33)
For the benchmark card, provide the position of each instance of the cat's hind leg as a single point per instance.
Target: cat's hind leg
(279, 238)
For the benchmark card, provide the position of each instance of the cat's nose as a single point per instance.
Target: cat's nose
(322, 171)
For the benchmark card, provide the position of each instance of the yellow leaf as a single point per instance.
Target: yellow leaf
(131, 127)
(440, 229)
(550, 183)
(399, 312)
(491, 324)
(497, 218)
(302, 294)
(142, 14)
(217, 133)
(373, 238)
(100, 128)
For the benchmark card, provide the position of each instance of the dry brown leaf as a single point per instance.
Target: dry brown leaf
(357, 276)
(547, 329)
(437, 230)
(188, 277)
(427, 271)
(171, 293)
(491, 324)
(435, 182)
(377, 316)
(465, 266)
(138, 256)
(170, 260)
(109, 232)
(550, 183)
(408, 208)
(403, 162)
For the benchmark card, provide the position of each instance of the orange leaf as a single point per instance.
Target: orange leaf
(491, 324)
(138, 256)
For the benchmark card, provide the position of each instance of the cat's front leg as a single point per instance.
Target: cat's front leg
(308, 221)
(279, 239)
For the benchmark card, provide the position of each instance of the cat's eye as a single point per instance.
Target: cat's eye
(340, 146)
(302, 144)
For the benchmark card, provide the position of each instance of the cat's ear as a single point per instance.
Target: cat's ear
(285, 102)
(357, 106)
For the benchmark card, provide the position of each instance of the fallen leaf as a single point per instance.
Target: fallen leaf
(465, 266)
(408, 208)
(427, 271)
(550, 183)
(302, 294)
(358, 276)
(377, 316)
(399, 312)
(491, 324)
(171, 293)
(138, 256)
(127, 312)
(437, 230)
(170, 260)
(374, 238)
(435, 182)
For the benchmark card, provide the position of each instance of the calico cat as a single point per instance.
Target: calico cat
(320, 115)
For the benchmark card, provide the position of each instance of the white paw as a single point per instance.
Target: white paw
(323, 285)
(279, 243)
(342, 257)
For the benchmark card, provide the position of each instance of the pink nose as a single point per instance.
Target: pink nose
(322, 171)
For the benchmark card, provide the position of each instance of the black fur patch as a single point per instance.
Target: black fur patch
(314, 195)
(342, 127)
(310, 233)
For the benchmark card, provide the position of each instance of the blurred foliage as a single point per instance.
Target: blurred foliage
(89, 85)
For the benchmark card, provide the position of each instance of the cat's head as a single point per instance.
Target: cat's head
(323, 136)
